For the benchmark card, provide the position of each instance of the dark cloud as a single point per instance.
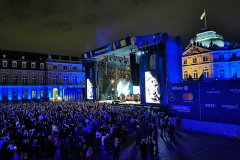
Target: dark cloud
(75, 26)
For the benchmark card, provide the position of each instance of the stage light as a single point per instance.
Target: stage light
(112, 89)
(142, 52)
(112, 81)
(139, 53)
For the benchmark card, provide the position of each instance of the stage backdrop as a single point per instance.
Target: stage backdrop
(219, 101)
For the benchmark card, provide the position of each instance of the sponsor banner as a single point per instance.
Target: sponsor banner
(220, 101)
(183, 100)
(108, 48)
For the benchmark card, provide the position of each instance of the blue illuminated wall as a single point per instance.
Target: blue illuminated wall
(73, 93)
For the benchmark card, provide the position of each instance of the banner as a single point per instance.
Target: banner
(183, 100)
(108, 48)
(220, 102)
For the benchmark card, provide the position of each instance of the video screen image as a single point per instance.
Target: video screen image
(89, 89)
(136, 90)
(152, 87)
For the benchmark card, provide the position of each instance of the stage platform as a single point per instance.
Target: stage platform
(127, 102)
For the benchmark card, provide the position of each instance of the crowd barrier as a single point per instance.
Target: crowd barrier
(221, 129)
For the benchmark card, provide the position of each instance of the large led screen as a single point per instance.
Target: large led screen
(89, 89)
(152, 87)
(136, 90)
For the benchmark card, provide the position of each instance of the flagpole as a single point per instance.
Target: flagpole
(205, 17)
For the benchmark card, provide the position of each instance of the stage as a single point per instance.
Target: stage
(126, 102)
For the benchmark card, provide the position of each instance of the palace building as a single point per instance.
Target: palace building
(32, 76)
(215, 61)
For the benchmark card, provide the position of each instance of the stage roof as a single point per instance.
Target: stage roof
(125, 46)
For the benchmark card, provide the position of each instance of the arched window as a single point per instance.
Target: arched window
(195, 74)
(185, 75)
(14, 79)
(54, 79)
(205, 72)
(42, 79)
(33, 79)
(234, 72)
(222, 73)
(24, 79)
(74, 79)
(4, 79)
(4, 94)
(14, 94)
(64, 79)
(34, 93)
(42, 93)
(24, 94)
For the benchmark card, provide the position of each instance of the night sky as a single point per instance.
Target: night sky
(71, 27)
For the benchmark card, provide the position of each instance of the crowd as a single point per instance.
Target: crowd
(37, 130)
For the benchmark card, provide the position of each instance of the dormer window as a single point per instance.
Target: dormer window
(23, 57)
(4, 64)
(33, 65)
(14, 64)
(24, 65)
(4, 56)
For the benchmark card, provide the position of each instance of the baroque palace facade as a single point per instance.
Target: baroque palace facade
(217, 61)
(33, 76)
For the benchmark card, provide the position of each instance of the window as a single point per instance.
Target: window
(15, 94)
(185, 76)
(194, 60)
(42, 79)
(41, 65)
(23, 57)
(65, 67)
(34, 93)
(222, 73)
(33, 65)
(24, 65)
(33, 79)
(54, 79)
(195, 74)
(74, 68)
(205, 58)
(4, 79)
(234, 72)
(24, 79)
(4, 64)
(234, 55)
(74, 79)
(14, 64)
(24, 94)
(49, 67)
(221, 56)
(205, 72)
(4, 94)
(64, 79)
(14, 79)
(42, 93)
(54, 66)
(185, 61)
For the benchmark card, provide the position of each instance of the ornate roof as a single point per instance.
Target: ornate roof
(195, 50)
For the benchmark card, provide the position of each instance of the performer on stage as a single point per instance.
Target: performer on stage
(138, 97)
